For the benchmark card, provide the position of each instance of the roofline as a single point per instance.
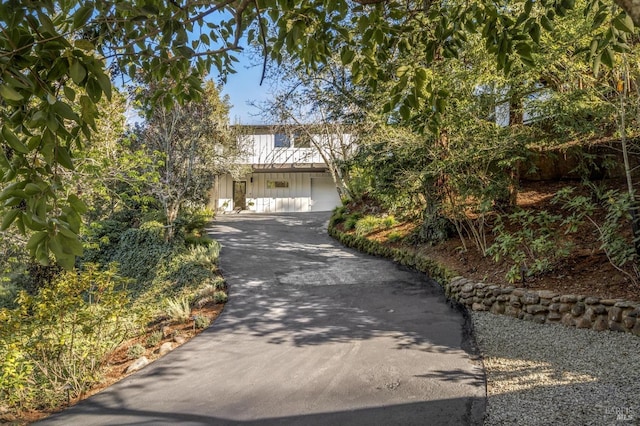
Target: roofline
(261, 129)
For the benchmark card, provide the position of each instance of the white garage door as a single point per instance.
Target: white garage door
(324, 196)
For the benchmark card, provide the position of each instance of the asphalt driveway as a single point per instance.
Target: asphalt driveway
(313, 334)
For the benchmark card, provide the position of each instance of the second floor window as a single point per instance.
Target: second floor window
(282, 141)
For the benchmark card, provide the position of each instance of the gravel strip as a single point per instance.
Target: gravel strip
(549, 374)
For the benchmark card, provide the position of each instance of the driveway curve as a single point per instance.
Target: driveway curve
(313, 333)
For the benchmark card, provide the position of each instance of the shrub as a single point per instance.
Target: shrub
(367, 225)
(60, 337)
(532, 248)
(616, 206)
(389, 221)
(8, 293)
(201, 322)
(154, 338)
(135, 351)
(179, 310)
(194, 220)
(186, 270)
(351, 220)
(338, 216)
(220, 297)
(394, 236)
(140, 250)
(434, 229)
(219, 283)
(198, 240)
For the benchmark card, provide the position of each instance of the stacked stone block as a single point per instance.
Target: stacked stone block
(543, 306)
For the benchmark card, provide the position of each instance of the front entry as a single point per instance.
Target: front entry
(239, 195)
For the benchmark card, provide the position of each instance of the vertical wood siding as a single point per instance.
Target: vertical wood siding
(295, 198)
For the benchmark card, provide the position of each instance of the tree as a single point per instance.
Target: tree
(189, 144)
(321, 111)
(57, 55)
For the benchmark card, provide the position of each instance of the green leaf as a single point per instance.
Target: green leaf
(527, 7)
(84, 44)
(64, 158)
(401, 71)
(534, 32)
(623, 22)
(82, 15)
(405, 112)
(597, 61)
(78, 72)
(568, 4)
(607, 57)
(347, 56)
(94, 90)
(77, 204)
(36, 239)
(546, 23)
(67, 261)
(72, 245)
(32, 189)
(8, 219)
(150, 9)
(13, 140)
(9, 93)
(421, 76)
(524, 50)
(41, 253)
(594, 47)
(55, 245)
(65, 111)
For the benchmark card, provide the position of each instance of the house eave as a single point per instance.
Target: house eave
(289, 168)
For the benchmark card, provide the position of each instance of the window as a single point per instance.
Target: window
(302, 141)
(272, 184)
(282, 141)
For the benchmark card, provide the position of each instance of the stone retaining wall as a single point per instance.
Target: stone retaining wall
(544, 306)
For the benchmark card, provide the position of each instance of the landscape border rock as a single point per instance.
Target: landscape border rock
(540, 306)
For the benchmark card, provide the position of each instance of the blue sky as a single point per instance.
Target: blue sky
(244, 87)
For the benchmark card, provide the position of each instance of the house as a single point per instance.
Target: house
(286, 172)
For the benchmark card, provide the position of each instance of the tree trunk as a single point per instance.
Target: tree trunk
(633, 206)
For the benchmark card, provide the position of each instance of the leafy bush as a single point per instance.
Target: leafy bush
(201, 322)
(338, 216)
(219, 283)
(207, 293)
(198, 240)
(185, 270)
(533, 247)
(8, 293)
(434, 229)
(179, 310)
(191, 223)
(394, 237)
(154, 338)
(220, 297)
(367, 225)
(619, 249)
(351, 220)
(389, 222)
(139, 251)
(135, 351)
(60, 336)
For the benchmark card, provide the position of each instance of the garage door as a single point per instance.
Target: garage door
(324, 196)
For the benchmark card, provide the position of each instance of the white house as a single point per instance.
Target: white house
(287, 174)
